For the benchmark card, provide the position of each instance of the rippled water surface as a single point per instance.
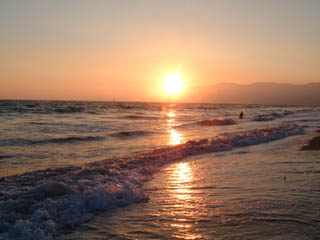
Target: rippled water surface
(107, 170)
(255, 193)
(38, 134)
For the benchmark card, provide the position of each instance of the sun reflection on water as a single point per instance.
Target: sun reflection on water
(184, 200)
(171, 114)
(183, 173)
(175, 137)
(181, 180)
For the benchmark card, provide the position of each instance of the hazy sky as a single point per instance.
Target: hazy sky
(100, 50)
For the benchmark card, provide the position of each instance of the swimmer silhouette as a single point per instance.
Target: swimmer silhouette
(241, 115)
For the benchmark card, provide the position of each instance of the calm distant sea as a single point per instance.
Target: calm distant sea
(194, 171)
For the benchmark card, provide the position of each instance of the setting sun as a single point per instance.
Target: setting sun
(173, 84)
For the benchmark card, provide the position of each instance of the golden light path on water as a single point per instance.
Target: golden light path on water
(182, 177)
(182, 197)
(186, 203)
(175, 137)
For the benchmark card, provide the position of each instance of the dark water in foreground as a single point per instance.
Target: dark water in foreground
(184, 171)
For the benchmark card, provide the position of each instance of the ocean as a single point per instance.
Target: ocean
(125, 170)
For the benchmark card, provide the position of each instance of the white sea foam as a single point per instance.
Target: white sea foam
(43, 204)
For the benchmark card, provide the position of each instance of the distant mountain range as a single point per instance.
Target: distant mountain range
(259, 93)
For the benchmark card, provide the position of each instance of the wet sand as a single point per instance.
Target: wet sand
(313, 144)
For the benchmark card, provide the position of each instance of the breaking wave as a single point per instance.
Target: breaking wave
(214, 122)
(43, 204)
(271, 116)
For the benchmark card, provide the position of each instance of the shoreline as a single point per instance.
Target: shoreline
(313, 144)
(69, 196)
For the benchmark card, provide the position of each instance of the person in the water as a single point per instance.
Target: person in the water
(241, 115)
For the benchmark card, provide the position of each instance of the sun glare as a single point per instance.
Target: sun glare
(173, 84)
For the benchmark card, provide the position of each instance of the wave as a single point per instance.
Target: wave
(140, 117)
(5, 156)
(72, 139)
(214, 122)
(128, 134)
(51, 107)
(271, 116)
(70, 109)
(45, 203)
(281, 220)
(308, 120)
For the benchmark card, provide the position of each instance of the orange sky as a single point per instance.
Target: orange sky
(77, 50)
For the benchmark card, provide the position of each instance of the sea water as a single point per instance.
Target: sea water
(103, 170)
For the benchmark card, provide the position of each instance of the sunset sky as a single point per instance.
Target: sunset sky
(101, 50)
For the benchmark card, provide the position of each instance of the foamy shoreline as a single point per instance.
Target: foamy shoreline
(46, 203)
